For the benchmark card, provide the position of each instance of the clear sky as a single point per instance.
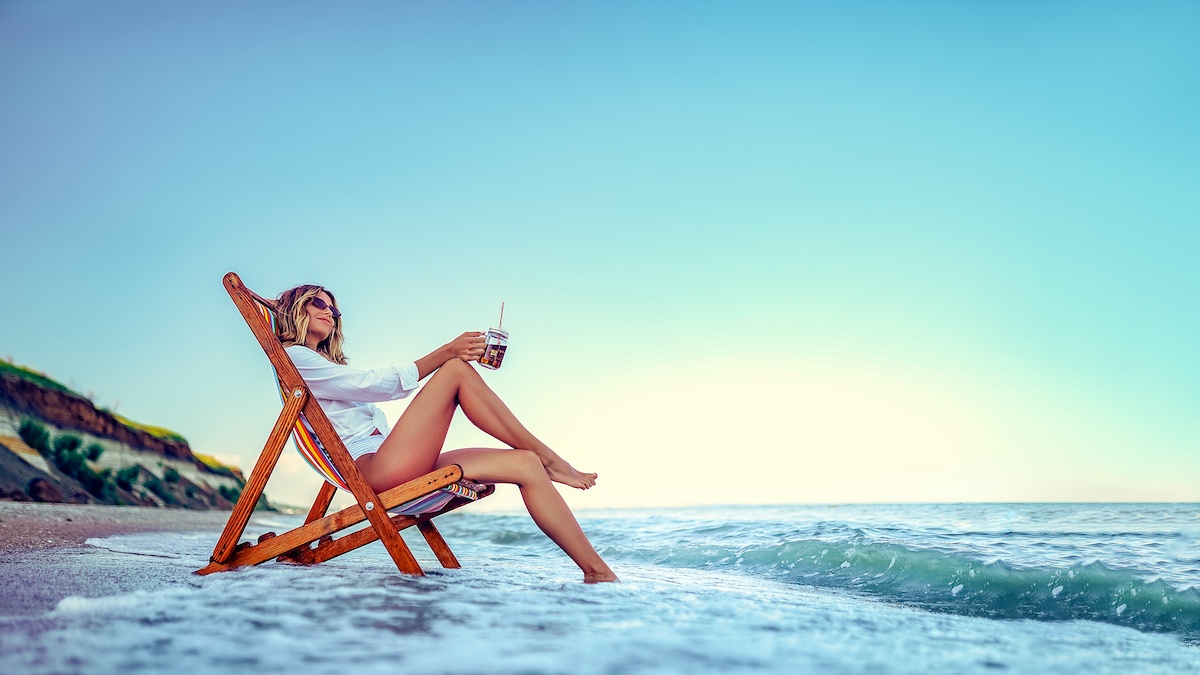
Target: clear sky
(751, 252)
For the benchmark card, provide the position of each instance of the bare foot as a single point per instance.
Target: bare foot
(599, 577)
(562, 472)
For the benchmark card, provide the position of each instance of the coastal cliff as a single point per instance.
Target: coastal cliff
(57, 446)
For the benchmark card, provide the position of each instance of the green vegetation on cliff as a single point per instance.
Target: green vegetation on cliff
(131, 484)
(42, 380)
(157, 432)
(64, 453)
(34, 376)
(216, 466)
(54, 421)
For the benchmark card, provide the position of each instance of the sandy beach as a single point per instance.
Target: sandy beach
(44, 556)
(28, 526)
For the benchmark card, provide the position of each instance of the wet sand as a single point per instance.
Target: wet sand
(44, 557)
(28, 526)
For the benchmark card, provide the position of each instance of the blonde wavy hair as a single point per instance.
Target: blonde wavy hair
(291, 324)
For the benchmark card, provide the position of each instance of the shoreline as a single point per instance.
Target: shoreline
(44, 555)
(32, 526)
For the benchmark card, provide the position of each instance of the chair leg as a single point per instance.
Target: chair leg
(253, 489)
(319, 508)
(321, 505)
(440, 548)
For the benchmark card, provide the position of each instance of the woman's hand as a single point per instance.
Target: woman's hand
(468, 346)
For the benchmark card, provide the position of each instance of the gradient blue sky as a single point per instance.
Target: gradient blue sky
(864, 251)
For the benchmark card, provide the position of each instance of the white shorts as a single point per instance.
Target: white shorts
(365, 446)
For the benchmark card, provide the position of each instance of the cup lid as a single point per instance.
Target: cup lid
(498, 332)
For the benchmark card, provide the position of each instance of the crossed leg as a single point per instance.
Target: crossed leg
(421, 430)
(414, 447)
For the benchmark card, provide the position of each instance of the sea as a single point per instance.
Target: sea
(938, 588)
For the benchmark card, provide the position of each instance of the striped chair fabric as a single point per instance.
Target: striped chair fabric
(314, 455)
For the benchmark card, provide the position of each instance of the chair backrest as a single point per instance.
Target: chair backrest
(260, 315)
(307, 443)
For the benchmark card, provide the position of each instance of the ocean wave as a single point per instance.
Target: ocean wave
(943, 581)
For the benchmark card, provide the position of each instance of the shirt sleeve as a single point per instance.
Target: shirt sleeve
(338, 382)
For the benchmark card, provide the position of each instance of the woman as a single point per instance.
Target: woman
(310, 328)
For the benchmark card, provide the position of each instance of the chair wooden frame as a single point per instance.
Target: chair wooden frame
(296, 545)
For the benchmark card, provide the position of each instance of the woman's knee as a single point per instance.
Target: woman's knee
(455, 368)
(525, 463)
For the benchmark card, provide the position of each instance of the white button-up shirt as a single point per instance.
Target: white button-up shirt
(345, 393)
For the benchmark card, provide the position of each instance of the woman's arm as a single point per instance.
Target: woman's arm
(330, 380)
(468, 347)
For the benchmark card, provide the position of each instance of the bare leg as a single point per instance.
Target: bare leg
(415, 447)
(545, 505)
(414, 444)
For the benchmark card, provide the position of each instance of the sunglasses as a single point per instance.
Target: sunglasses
(321, 304)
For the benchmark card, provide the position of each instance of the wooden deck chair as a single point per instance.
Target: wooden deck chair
(416, 502)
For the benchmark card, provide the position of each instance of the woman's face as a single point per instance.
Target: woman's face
(320, 321)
